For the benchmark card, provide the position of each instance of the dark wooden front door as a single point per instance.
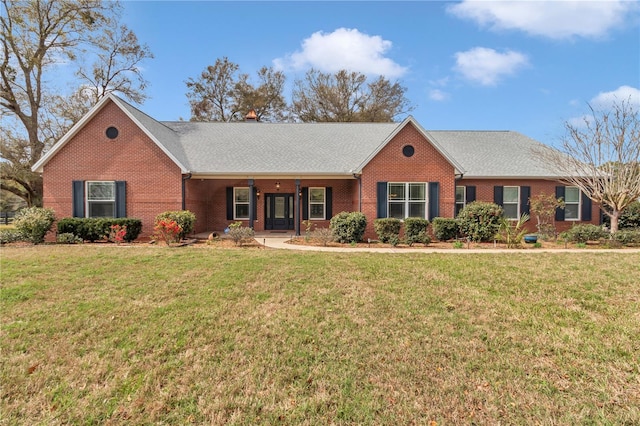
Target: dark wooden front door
(278, 211)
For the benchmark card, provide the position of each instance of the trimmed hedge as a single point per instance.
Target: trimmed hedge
(415, 231)
(480, 221)
(348, 227)
(387, 229)
(583, 233)
(627, 237)
(97, 228)
(445, 228)
(184, 218)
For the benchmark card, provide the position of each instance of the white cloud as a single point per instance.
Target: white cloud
(605, 100)
(343, 49)
(487, 66)
(552, 19)
(438, 95)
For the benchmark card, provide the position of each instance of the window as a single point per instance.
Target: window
(510, 202)
(317, 197)
(407, 200)
(101, 199)
(461, 196)
(571, 203)
(241, 203)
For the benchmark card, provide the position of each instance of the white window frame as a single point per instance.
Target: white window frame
(463, 203)
(88, 201)
(407, 201)
(238, 203)
(578, 204)
(517, 202)
(323, 203)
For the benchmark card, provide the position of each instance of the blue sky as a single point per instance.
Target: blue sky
(523, 66)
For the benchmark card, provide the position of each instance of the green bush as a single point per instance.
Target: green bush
(10, 236)
(630, 217)
(184, 218)
(97, 228)
(68, 238)
(415, 231)
(582, 233)
(240, 234)
(34, 223)
(445, 229)
(348, 227)
(480, 221)
(627, 237)
(387, 228)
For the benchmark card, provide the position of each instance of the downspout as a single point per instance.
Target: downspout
(185, 178)
(359, 179)
(296, 209)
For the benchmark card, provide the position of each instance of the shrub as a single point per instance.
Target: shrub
(512, 233)
(348, 227)
(387, 228)
(68, 238)
(415, 231)
(583, 233)
(627, 237)
(323, 235)
(184, 218)
(479, 221)
(10, 236)
(96, 228)
(240, 234)
(117, 233)
(629, 217)
(34, 223)
(167, 230)
(445, 229)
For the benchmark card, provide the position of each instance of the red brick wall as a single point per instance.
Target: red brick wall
(390, 165)
(484, 192)
(153, 180)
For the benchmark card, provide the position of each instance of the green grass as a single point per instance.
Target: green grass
(150, 335)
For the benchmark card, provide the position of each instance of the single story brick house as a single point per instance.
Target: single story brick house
(119, 162)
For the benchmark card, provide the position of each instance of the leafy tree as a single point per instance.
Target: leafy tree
(602, 158)
(543, 207)
(35, 36)
(221, 94)
(346, 97)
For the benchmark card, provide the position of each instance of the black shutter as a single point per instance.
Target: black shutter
(229, 203)
(328, 213)
(525, 193)
(498, 197)
(78, 198)
(121, 198)
(305, 203)
(470, 194)
(585, 214)
(559, 211)
(434, 200)
(382, 199)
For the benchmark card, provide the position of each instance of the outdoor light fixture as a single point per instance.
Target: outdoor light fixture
(257, 192)
(278, 185)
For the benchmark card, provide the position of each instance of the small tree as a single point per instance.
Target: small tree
(601, 157)
(543, 207)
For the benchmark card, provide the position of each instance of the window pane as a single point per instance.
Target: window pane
(571, 195)
(101, 190)
(571, 211)
(316, 211)
(316, 195)
(510, 194)
(242, 195)
(460, 194)
(417, 210)
(417, 191)
(102, 209)
(396, 210)
(510, 211)
(396, 191)
(242, 211)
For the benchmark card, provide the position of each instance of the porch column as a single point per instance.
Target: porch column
(251, 204)
(297, 208)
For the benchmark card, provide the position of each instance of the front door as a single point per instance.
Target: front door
(278, 211)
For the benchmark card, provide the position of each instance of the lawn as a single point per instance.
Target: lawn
(99, 334)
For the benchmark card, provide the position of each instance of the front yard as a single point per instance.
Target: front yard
(100, 334)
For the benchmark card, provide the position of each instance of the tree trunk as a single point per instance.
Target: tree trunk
(614, 221)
